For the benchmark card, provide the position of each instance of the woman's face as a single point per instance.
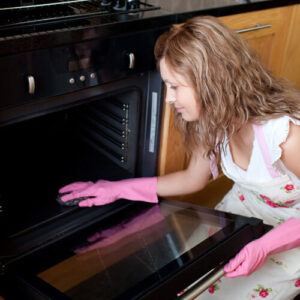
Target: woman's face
(180, 93)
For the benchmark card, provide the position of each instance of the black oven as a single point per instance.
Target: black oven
(78, 112)
(81, 111)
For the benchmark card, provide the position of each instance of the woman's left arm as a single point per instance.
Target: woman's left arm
(253, 256)
(291, 149)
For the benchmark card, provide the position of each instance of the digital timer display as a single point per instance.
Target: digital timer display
(80, 64)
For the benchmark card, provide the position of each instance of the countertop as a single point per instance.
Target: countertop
(170, 12)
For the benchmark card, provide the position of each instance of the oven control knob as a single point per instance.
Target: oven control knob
(71, 80)
(131, 60)
(118, 5)
(31, 84)
(82, 78)
(133, 4)
(105, 2)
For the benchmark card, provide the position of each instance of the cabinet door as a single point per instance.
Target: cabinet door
(291, 62)
(265, 31)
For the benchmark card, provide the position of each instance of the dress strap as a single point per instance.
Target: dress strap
(258, 130)
(213, 167)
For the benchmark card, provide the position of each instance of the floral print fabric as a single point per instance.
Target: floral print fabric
(273, 203)
(257, 193)
(268, 283)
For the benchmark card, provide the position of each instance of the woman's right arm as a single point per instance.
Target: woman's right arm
(102, 192)
(187, 181)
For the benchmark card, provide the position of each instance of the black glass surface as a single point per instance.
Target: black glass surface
(134, 252)
(112, 260)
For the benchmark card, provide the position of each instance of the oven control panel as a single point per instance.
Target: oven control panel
(42, 74)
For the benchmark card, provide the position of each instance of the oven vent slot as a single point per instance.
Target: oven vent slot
(105, 133)
(110, 127)
(98, 145)
(104, 125)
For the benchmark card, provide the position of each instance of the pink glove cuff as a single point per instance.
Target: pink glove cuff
(284, 237)
(143, 189)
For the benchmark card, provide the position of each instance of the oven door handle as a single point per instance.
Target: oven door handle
(204, 283)
(31, 84)
(131, 57)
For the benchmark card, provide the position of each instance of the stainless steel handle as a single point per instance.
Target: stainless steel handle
(203, 284)
(131, 60)
(257, 27)
(31, 85)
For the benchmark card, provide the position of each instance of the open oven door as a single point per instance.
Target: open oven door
(145, 251)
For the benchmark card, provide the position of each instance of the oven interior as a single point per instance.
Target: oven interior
(95, 140)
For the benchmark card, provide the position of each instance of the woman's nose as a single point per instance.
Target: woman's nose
(170, 97)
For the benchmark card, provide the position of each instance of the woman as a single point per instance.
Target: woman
(233, 111)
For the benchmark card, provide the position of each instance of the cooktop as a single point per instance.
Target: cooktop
(65, 13)
(27, 25)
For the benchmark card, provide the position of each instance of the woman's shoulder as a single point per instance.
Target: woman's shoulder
(283, 138)
(276, 130)
(290, 150)
(281, 124)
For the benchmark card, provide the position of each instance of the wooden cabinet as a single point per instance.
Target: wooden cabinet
(290, 67)
(274, 34)
(266, 31)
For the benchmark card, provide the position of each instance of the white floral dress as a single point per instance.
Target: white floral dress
(266, 190)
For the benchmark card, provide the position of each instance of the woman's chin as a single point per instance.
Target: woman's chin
(189, 118)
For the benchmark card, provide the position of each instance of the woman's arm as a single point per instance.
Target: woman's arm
(253, 256)
(187, 181)
(102, 192)
(291, 148)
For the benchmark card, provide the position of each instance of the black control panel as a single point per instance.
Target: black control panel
(41, 74)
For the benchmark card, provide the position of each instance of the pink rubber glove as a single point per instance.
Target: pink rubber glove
(103, 192)
(253, 256)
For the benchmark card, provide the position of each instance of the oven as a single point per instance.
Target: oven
(74, 113)
(81, 111)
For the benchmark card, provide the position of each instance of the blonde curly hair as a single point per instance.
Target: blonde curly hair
(232, 86)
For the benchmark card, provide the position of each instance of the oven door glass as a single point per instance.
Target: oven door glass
(145, 251)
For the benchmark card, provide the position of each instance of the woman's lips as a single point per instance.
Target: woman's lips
(179, 109)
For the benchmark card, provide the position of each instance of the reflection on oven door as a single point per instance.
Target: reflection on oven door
(133, 254)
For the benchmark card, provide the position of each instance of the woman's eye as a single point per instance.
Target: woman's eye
(173, 87)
